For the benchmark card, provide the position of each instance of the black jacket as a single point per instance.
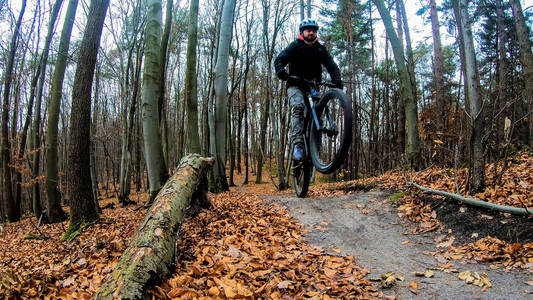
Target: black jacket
(305, 61)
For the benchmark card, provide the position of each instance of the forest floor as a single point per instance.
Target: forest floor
(371, 238)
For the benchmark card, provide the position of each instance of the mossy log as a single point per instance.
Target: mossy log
(152, 250)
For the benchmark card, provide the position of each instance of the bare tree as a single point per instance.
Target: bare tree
(162, 95)
(406, 87)
(83, 208)
(526, 58)
(191, 81)
(438, 67)
(221, 90)
(150, 94)
(473, 89)
(54, 212)
(13, 212)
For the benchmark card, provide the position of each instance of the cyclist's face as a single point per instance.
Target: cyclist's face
(309, 34)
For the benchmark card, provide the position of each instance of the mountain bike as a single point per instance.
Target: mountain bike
(327, 131)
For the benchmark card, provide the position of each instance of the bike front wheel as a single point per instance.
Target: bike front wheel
(331, 139)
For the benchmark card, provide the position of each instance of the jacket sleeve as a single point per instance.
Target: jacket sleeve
(284, 57)
(332, 68)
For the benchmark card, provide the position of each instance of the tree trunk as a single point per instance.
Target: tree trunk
(35, 136)
(150, 256)
(413, 139)
(54, 212)
(438, 67)
(13, 212)
(92, 143)
(221, 90)
(407, 94)
(473, 89)
(526, 58)
(24, 134)
(191, 93)
(499, 104)
(150, 95)
(125, 174)
(302, 10)
(162, 95)
(82, 203)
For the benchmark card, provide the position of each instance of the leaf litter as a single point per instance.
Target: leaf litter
(514, 189)
(242, 248)
(34, 268)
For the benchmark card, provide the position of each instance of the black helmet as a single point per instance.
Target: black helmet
(306, 23)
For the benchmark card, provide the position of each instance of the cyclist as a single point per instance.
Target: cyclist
(305, 57)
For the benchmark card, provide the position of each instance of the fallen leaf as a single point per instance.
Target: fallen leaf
(413, 285)
(446, 244)
(284, 284)
(389, 279)
(427, 274)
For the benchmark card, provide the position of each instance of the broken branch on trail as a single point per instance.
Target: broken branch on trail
(469, 200)
(152, 250)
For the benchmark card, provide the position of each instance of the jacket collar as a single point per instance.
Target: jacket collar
(300, 37)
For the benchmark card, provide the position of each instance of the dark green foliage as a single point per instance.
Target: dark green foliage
(335, 35)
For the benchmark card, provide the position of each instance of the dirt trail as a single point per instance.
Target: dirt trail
(367, 227)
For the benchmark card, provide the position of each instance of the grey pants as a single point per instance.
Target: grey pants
(298, 111)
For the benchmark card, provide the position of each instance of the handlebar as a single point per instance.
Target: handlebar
(312, 82)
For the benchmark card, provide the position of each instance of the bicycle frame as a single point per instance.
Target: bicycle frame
(313, 98)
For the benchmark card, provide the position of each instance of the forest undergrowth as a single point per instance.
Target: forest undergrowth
(242, 248)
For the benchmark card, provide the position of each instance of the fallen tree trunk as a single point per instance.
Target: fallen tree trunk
(152, 250)
(469, 200)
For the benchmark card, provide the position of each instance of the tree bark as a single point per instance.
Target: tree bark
(13, 212)
(302, 10)
(54, 212)
(526, 58)
(35, 134)
(221, 90)
(150, 95)
(82, 203)
(407, 94)
(438, 67)
(473, 89)
(191, 93)
(162, 96)
(126, 165)
(150, 256)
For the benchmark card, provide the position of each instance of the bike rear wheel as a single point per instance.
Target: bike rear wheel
(302, 176)
(329, 144)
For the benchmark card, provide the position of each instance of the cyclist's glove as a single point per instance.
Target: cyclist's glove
(283, 75)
